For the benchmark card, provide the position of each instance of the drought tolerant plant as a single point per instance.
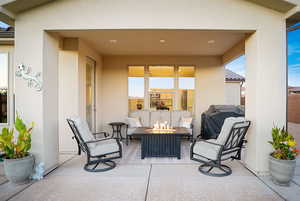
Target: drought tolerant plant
(17, 146)
(284, 145)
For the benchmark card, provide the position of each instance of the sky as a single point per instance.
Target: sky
(238, 65)
(3, 25)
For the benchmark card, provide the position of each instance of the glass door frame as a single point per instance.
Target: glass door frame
(92, 62)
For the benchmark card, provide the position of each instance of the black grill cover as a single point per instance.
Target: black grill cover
(212, 120)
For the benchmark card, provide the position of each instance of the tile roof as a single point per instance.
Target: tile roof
(232, 76)
(294, 89)
(7, 32)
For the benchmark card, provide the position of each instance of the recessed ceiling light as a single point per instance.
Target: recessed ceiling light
(211, 41)
(113, 41)
(162, 41)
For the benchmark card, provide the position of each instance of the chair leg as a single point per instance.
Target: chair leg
(91, 166)
(79, 150)
(225, 170)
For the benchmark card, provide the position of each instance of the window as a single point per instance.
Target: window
(161, 87)
(165, 87)
(136, 88)
(186, 87)
(3, 87)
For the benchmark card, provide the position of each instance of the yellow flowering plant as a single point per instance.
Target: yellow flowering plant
(284, 145)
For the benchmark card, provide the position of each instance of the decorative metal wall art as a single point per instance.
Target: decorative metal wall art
(32, 78)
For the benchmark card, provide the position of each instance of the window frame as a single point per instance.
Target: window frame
(10, 97)
(175, 90)
(128, 97)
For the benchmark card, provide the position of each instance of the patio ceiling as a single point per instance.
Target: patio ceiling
(158, 42)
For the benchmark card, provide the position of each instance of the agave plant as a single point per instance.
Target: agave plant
(16, 146)
(284, 145)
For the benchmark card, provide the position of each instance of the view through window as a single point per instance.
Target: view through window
(186, 87)
(3, 87)
(161, 87)
(166, 87)
(136, 88)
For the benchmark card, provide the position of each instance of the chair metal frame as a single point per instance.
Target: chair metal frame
(95, 136)
(233, 145)
(93, 161)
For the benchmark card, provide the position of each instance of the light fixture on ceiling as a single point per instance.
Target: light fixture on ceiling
(211, 41)
(162, 41)
(113, 41)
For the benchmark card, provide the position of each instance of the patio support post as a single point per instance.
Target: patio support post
(265, 52)
(39, 50)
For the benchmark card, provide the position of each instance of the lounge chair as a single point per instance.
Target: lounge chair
(228, 145)
(99, 151)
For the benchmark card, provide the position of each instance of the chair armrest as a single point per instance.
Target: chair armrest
(210, 142)
(99, 140)
(101, 133)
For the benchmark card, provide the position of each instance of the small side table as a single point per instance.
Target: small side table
(117, 127)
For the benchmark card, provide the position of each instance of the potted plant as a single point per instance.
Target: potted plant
(282, 161)
(18, 162)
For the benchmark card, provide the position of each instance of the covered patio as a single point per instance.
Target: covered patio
(88, 54)
(54, 32)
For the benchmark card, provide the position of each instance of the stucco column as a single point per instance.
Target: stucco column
(265, 91)
(39, 51)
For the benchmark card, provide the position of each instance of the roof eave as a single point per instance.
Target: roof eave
(235, 80)
(282, 6)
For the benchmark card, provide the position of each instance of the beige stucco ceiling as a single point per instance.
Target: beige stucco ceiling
(148, 42)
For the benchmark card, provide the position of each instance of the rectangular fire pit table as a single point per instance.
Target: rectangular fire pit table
(160, 143)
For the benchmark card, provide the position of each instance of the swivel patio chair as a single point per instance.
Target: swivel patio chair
(96, 136)
(100, 152)
(228, 145)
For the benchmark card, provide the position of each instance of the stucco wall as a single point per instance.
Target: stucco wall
(68, 105)
(209, 83)
(72, 89)
(232, 93)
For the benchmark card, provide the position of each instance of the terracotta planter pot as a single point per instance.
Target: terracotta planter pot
(282, 171)
(18, 171)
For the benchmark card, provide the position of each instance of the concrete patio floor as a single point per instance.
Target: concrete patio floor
(151, 179)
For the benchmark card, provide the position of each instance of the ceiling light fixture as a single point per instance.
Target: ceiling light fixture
(162, 41)
(211, 41)
(113, 41)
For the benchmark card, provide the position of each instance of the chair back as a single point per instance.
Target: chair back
(81, 142)
(236, 136)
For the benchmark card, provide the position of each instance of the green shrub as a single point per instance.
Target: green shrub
(16, 146)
